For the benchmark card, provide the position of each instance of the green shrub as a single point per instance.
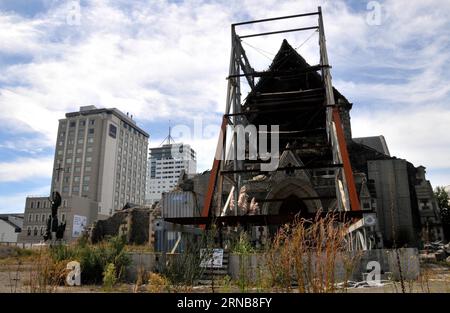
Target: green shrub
(184, 269)
(94, 259)
(109, 276)
(157, 283)
(63, 252)
(242, 244)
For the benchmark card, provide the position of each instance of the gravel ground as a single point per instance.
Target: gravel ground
(14, 278)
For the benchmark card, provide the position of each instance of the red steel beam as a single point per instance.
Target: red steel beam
(214, 171)
(354, 201)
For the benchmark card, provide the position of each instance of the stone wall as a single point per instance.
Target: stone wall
(392, 183)
(134, 223)
(409, 260)
(254, 264)
(146, 261)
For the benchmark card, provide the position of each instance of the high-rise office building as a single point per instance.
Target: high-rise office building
(165, 166)
(101, 154)
(100, 165)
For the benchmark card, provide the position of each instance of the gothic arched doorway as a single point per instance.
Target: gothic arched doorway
(292, 205)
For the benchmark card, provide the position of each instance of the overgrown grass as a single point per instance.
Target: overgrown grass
(47, 274)
(184, 269)
(305, 253)
(242, 244)
(94, 259)
(10, 255)
(109, 277)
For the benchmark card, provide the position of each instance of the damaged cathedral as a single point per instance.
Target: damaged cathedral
(320, 168)
(388, 199)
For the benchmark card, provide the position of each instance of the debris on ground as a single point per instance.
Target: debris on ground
(435, 251)
(363, 284)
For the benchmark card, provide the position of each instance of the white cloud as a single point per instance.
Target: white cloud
(33, 146)
(15, 203)
(25, 168)
(421, 137)
(161, 60)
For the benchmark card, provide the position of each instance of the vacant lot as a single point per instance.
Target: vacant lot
(18, 267)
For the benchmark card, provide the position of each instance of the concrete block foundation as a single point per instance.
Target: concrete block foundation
(355, 270)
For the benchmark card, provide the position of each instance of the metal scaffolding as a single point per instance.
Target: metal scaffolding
(240, 67)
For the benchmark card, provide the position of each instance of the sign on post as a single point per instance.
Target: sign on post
(370, 219)
(79, 224)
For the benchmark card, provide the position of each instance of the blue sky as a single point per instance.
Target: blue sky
(167, 60)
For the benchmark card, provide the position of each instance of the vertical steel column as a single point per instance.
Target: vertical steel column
(340, 153)
(326, 76)
(236, 109)
(214, 172)
(348, 173)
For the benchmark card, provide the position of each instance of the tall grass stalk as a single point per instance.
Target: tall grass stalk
(305, 253)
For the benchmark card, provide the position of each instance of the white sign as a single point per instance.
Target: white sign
(211, 258)
(79, 224)
(370, 219)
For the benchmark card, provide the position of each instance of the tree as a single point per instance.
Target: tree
(443, 200)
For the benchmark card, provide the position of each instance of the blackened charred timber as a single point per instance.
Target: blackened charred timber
(299, 198)
(298, 98)
(310, 69)
(286, 168)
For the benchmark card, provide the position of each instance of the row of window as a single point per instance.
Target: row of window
(88, 159)
(76, 179)
(136, 171)
(37, 204)
(71, 141)
(66, 189)
(78, 150)
(72, 124)
(77, 169)
(42, 218)
(134, 153)
(129, 187)
(160, 182)
(81, 132)
(126, 126)
(131, 129)
(163, 187)
(127, 199)
(43, 204)
(36, 230)
(160, 177)
(160, 191)
(168, 162)
(122, 175)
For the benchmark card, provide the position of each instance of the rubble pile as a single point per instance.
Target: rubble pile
(363, 284)
(436, 251)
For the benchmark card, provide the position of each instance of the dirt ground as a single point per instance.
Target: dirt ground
(16, 272)
(15, 279)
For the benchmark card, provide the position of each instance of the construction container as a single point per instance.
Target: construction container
(165, 241)
(179, 204)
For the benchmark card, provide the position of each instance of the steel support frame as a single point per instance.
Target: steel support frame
(240, 67)
(335, 131)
